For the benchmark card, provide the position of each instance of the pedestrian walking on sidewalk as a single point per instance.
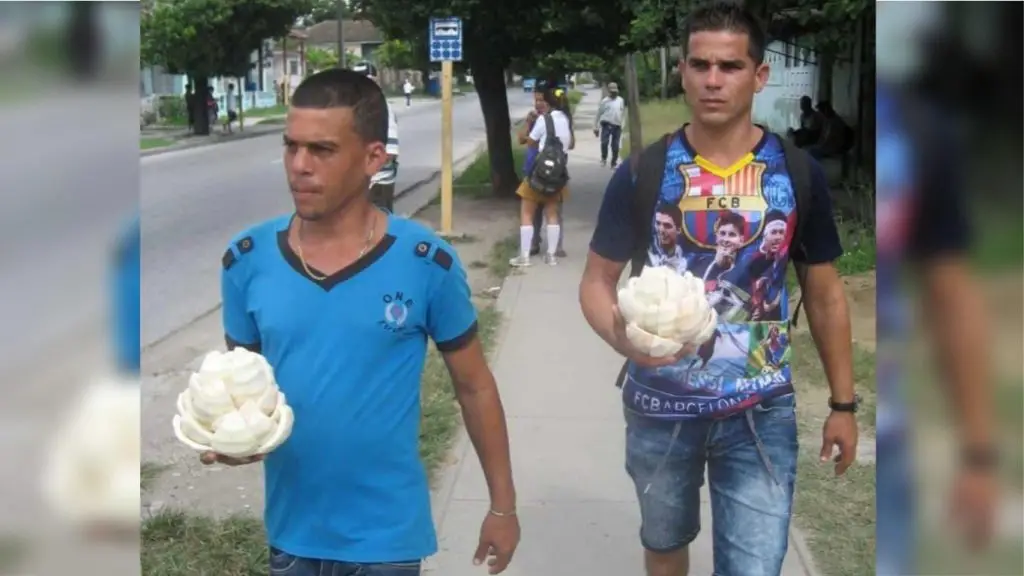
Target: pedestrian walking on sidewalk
(341, 298)
(231, 104)
(408, 89)
(190, 108)
(750, 204)
(546, 184)
(611, 113)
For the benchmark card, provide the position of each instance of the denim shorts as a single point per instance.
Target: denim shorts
(285, 564)
(751, 468)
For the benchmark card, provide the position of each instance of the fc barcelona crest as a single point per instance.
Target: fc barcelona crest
(711, 202)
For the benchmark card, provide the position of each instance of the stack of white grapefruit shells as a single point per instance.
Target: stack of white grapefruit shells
(233, 406)
(665, 311)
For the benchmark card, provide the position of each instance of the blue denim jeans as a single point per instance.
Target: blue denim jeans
(285, 564)
(610, 134)
(751, 468)
(896, 541)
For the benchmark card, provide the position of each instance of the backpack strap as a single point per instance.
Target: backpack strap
(549, 125)
(798, 166)
(648, 170)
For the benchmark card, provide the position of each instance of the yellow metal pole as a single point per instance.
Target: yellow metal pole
(446, 148)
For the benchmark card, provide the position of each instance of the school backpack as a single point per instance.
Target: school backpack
(550, 172)
(648, 170)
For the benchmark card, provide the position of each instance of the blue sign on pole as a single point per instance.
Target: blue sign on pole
(445, 39)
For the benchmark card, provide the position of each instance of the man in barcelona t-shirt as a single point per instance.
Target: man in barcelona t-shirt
(342, 297)
(725, 204)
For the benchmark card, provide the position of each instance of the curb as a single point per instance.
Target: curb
(458, 166)
(240, 136)
(803, 552)
(461, 449)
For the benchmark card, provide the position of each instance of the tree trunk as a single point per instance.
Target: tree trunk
(636, 138)
(489, 79)
(200, 113)
(83, 40)
(260, 64)
(663, 56)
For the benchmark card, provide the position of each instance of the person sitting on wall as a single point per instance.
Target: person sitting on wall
(811, 124)
(836, 136)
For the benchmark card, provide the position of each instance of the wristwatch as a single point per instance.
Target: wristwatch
(980, 457)
(845, 406)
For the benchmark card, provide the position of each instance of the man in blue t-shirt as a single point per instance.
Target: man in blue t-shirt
(126, 291)
(726, 404)
(342, 298)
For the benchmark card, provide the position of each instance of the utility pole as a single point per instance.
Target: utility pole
(341, 33)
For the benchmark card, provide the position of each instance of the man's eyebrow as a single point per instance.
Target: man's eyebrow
(314, 143)
(703, 61)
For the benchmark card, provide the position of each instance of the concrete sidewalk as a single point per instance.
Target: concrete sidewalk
(577, 506)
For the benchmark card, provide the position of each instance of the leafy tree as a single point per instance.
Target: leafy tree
(828, 26)
(557, 64)
(318, 59)
(324, 10)
(395, 54)
(209, 38)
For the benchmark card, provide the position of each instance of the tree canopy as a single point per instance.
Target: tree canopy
(207, 38)
(520, 30)
(323, 10)
(396, 54)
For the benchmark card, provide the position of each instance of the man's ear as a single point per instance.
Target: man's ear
(761, 76)
(376, 158)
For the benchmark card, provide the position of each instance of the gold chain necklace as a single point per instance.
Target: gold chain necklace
(321, 278)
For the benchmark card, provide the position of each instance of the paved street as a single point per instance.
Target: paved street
(193, 201)
(65, 188)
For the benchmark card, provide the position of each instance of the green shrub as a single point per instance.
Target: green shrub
(171, 109)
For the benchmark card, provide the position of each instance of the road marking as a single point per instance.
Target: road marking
(277, 161)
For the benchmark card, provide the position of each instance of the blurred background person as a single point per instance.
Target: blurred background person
(941, 129)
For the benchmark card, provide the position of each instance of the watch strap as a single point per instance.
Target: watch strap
(845, 406)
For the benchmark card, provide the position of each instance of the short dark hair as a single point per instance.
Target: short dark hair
(773, 215)
(673, 212)
(729, 218)
(723, 15)
(339, 88)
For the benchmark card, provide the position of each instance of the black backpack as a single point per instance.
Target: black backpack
(550, 172)
(649, 169)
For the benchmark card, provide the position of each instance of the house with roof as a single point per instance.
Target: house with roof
(361, 38)
(280, 60)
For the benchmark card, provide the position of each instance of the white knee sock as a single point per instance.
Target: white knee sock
(554, 230)
(525, 239)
